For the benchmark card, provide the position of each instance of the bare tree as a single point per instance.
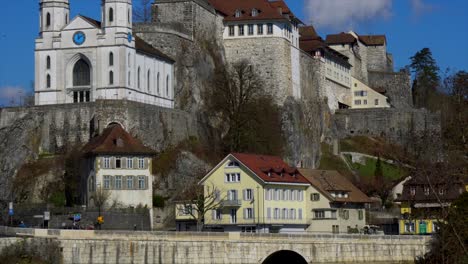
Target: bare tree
(202, 200)
(142, 11)
(100, 198)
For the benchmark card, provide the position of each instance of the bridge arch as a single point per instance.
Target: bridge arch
(284, 256)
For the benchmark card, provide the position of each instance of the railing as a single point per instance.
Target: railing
(231, 203)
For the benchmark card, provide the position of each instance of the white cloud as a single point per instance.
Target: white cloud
(9, 92)
(346, 14)
(420, 7)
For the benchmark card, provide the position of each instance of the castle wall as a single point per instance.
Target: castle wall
(310, 72)
(397, 86)
(271, 59)
(377, 59)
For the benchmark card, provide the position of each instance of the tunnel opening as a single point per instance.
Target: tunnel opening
(285, 256)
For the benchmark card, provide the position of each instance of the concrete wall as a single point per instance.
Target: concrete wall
(153, 247)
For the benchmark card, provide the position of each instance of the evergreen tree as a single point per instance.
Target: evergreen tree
(427, 78)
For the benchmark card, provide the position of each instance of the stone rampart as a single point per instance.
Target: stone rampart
(200, 248)
(397, 86)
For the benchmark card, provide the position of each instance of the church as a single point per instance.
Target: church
(83, 60)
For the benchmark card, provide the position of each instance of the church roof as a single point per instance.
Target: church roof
(91, 21)
(115, 140)
(142, 46)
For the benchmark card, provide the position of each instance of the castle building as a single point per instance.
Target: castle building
(266, 33)
(82, 60)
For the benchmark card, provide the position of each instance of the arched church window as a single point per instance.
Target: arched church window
(48, 63)
(167, 85)
(129, 80)
(148, 81)
(129, 60)
(157, 84)
(128, 16)
(111, 14)
(48, 20)
(66, 18)
(48, 81)
(81, 74)
(111, 77)
(111, 59)
(138, 77)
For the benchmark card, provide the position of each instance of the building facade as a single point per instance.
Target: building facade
(365, 97)
(120, 166)
(334, 203)
(82, 60)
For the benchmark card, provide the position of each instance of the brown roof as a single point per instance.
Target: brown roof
(342, 38)
(279, 171)
(373, 40)
(142, 47)
(312, 45)
(266, 10)
(327, 181)
(308, 33)
(451, 189)
(115, 140)
(92, 21)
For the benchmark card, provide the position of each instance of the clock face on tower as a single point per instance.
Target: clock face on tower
(79, 38)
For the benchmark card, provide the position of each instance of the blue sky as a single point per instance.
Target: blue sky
(410, 25)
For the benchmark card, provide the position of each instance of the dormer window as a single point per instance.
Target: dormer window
(254, 12)
(238, 13)
(413, 191)
(426, 190)
(118, 162)
(233, 164)
(269, 174)
(118, 142)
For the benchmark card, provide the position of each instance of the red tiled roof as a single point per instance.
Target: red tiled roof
(327, 181)
(342, 38)
(261, 165)
(266, 10)
(373, 40)
(308, 33)
(115, 140)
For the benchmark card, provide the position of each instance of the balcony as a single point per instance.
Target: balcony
(231, 203)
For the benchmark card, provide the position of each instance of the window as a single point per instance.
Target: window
(148, 80)
(141, 182)
(345, 214)
(167, 86)
(319, 214)
(238, 13)
(217, 214)
(111, 15)
(129, 78)
(335, 229)
(129, 163)
(111, 78)
(333, 214)
(357, 102)
(365, 102)
(299, 214)
(233, 216)
(249, 229)
(441, 191)
(409, 227)
(111, 59)
(91, 184)
(254, 12)
(231, 30)
(233, 164)
(138, 77)
(269, 28)
(376, 101)
(66, 18)
(81, 73)
(413, 190)
(241, 30)
(360, 214)
(106, 182)
(285, 213)
(300, 196)
(48, 20)
(276, 214)
(129, 60)
(250, 29)
(106, 162)
(278, 195)
(232, 177)
(292, 213)
(118, 162)
(118, 182)
(157, 83)
(128, 16)
(141, 163)
(287, 195)
(130, 182)
(294, 195)
(426, 190)
(248, 213)
(268, 213)
(267, 194)
(260, 29)
(48, 63)
(248, 194)
(315, 197)
(232, 195)
(48, 81)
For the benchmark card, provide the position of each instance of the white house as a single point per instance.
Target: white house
(82, 60)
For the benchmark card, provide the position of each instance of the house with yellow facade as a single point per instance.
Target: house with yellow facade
(424, 203)
(259, 193)
(364, 96)
(334, 203)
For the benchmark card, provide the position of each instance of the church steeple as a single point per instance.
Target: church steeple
(54, 15)
(117, 14)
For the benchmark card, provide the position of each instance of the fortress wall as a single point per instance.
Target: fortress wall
(397, 86)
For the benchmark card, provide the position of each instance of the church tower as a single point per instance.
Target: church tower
(116, 16)
(54, 15)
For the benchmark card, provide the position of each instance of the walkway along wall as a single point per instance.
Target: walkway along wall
(201, 248)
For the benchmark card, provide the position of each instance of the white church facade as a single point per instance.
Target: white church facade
(84, 60)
